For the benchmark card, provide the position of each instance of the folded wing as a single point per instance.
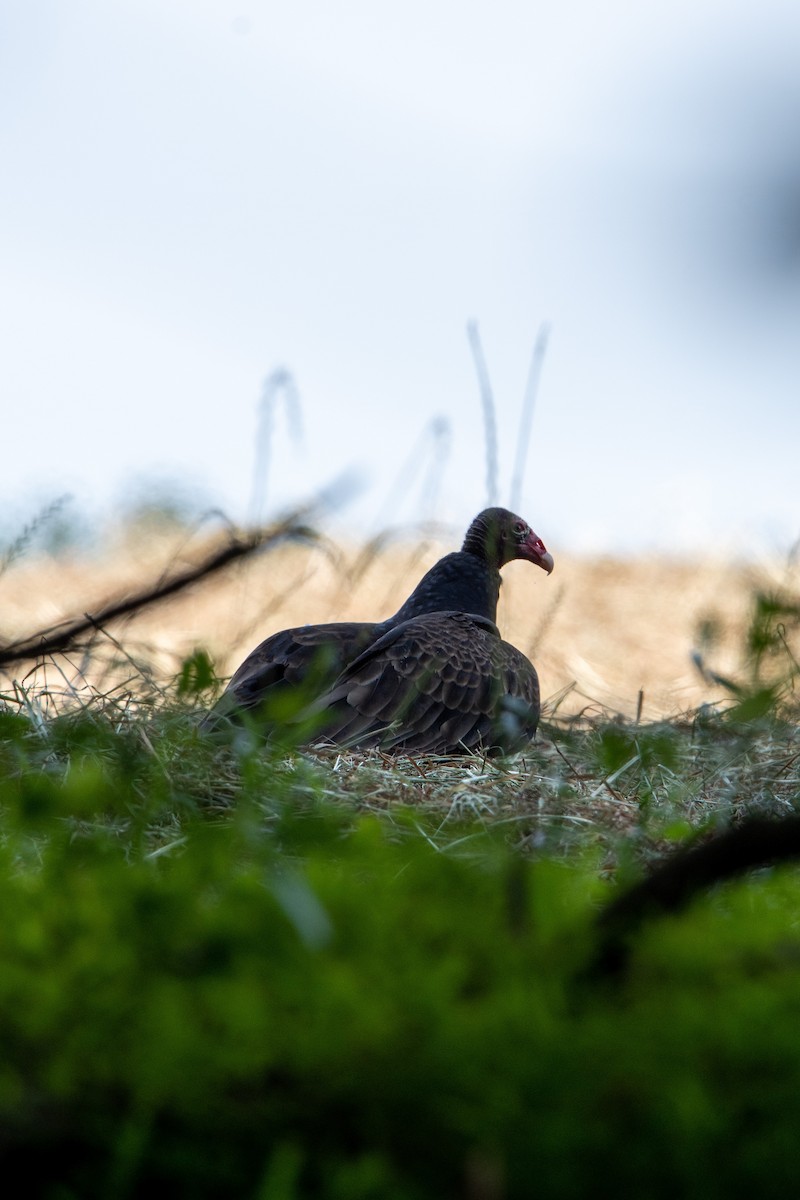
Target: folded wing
(293, 664)
(438, 684)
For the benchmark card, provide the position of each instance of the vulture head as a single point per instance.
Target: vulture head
(498, 536)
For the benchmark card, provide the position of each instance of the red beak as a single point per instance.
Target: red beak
(534, 550)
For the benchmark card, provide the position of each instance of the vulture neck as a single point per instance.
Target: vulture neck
(459, 582)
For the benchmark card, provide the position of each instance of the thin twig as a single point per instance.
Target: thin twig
(526, 418)
(489, 421)
(280, 384)
(57, 640)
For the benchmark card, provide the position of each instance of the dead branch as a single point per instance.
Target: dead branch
(59, 639)
(758, 841)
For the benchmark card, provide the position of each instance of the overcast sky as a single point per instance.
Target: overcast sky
(199, 193)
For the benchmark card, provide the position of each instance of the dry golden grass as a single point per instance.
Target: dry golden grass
(600, 631)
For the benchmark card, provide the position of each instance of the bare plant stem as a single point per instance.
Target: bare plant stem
(489, 416)
(526, 418)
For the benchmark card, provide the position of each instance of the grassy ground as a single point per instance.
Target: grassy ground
(637, 659)
(231, 970)
(632, 655)
(601, 631)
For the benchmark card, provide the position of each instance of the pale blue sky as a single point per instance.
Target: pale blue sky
(196, 193)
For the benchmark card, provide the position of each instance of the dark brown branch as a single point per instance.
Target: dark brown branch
(671, 886)
(57, 640)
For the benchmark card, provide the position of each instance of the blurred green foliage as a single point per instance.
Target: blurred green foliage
(214, 981)
(767, 684)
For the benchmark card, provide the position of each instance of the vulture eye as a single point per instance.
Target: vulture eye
(520, 529)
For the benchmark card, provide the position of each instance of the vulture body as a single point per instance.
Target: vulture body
(434, 678)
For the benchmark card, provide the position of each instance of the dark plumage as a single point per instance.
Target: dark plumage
(434, 678)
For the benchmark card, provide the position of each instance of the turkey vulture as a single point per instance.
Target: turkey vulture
(435, 678)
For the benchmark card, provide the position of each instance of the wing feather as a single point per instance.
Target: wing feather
(306, 660)
(441, 683)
